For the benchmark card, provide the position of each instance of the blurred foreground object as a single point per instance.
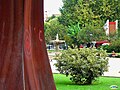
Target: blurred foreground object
(24, 63)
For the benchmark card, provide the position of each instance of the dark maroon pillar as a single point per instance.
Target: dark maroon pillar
(24, 64)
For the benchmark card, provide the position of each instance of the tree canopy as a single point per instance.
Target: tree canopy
(91, 16)
(52, 28)
(89, 11)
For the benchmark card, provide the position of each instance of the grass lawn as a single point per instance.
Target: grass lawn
(63, 83)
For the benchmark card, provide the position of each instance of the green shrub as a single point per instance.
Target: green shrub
(108, 48)
(83, 65)
(114, 46)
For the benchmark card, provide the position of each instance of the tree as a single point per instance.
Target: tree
(52, 28)
(91, 15)
(76, 36)
(89, 12)
(91, 33)
(107, 9)
(50, 18)
(71, 37)
(67, 17)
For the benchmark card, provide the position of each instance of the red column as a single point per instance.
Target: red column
(112, 27)
(24, 64)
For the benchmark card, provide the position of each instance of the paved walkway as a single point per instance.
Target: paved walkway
(53, 66)
(114, 67)
(113, 70)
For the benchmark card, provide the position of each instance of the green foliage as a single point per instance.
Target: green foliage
(114, 46)
(50, 18)
(91, 16)
(91, 33)
(71, 37)
(114, 43)
(94, 12)
(108, 48)
(52, 28)
(76, 36)
(68, 13)
(119, 32)
(83, 65)
(107, 9)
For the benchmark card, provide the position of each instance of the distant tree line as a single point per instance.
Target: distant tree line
(82, 21)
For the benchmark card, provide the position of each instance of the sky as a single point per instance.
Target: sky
(52, 6)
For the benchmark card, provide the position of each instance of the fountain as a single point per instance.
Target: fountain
(57, 42)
